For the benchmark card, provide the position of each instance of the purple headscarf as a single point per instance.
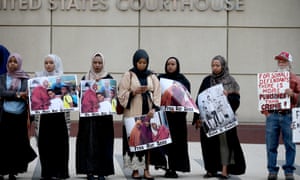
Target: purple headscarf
(18, 74)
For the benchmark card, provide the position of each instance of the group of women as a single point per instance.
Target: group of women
(95, 139)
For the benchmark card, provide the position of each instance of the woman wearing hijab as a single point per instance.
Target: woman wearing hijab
(177, 151)
(15, 149)
(222, 152)
(139, 94)
(52, 131)
(95, 139)
(4, 53)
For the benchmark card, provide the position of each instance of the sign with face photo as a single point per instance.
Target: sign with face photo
(144, 132)
(53, 94)
(98, 98)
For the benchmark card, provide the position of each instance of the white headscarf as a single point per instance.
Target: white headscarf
(91, 74)
(58, 66)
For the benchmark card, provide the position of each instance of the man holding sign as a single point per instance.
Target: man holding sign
(279, 117)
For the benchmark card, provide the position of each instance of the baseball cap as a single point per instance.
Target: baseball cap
(284, 56)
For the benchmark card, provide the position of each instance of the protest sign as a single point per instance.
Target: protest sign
(53, 94)
(98, 98)
(175, 97)
(296, 124)
(146, 133)
(271, 91)
(215, 111)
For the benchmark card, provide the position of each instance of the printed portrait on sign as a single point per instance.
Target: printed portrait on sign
(98, 97)
(53, 94)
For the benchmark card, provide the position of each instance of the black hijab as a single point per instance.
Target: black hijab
(142, 75)
(177, 76)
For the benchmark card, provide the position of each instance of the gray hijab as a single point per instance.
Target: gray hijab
(229, 83)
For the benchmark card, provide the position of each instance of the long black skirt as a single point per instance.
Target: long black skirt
(15, 149)
(95, 146)
(53, 145)
(212, 156)
(177, 151)
(174, 156)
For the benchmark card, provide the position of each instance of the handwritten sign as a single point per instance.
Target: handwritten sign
(271, 87)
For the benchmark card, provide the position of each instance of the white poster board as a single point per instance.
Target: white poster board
(53, 94)
(175, 97)
(271, 87)
(296, 124)
(215, 111)
(147, 133)
(98, 98)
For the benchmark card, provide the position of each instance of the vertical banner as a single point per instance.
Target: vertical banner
(216, 111)
(271, 87)
(53, 94)
(147, 133)
(98, 98)
(296, 124)
(175, 97)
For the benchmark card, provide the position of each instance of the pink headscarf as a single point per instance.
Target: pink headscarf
(18, 74)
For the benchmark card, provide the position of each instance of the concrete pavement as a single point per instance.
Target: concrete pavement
(255, 156)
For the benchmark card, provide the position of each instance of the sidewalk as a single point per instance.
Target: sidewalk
(255, 156)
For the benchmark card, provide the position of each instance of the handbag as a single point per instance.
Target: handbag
(120, 108)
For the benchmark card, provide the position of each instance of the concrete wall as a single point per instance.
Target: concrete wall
(249, 38)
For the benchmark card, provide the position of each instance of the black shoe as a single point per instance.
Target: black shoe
(101, 178)
(210, 175)
(221, 176)
(148, 177)
(12, 177)
(90, 177)
(272, 176)
(289, 176)
(171, 174)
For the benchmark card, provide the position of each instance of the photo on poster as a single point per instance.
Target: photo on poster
(98, 98)
(296, 124)
(271, 88)
(147, 133)
(53, 94)
(216, 112)
(175, 97)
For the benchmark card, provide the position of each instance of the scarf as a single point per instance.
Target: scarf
(177, 76)
(58, 67)
(142, 75)
(18, 74)
(229, 83)
(91, 74)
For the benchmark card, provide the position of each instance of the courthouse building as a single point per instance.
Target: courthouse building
(249, 33)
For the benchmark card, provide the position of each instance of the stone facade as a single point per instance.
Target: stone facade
(249, 33)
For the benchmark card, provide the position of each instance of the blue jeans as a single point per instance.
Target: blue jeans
(276, 124)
